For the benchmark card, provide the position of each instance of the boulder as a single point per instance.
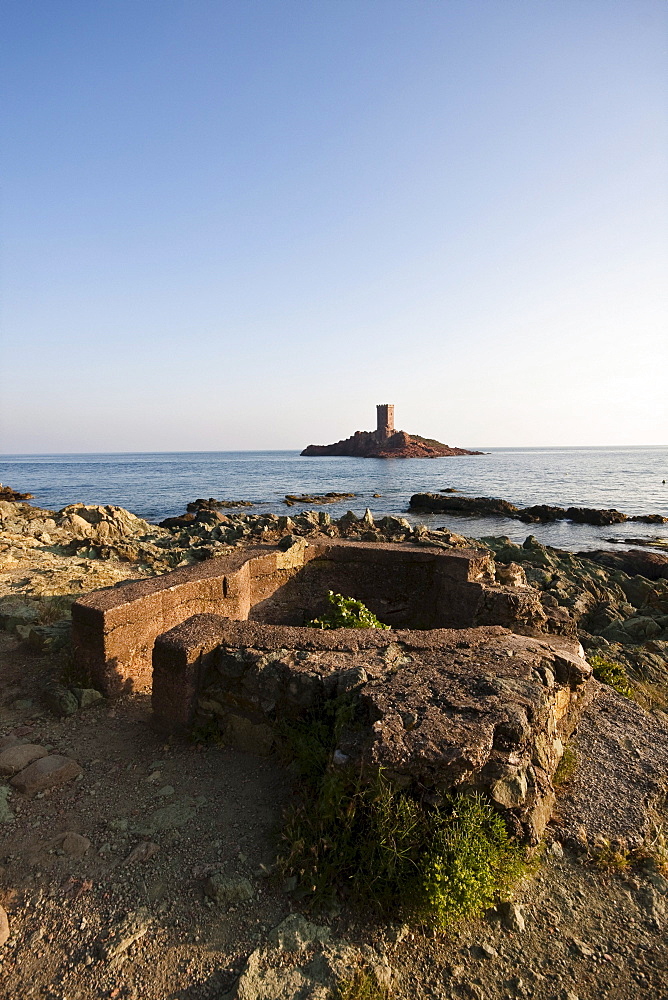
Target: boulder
(15, 758)
(47, 772)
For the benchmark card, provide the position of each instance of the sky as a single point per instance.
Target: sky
(240, 224)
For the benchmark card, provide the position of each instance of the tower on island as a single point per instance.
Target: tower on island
(385, 420)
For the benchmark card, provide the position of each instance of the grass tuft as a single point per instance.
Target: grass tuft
(361, 985)
(613, 674)
(566, 766)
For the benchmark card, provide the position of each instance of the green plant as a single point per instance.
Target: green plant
(654, 848)
(385, 850)
(307, 744)
(346, 613)
(606, 854)
(361, 985)
(613, 674)
(653, 851)
(566, 766)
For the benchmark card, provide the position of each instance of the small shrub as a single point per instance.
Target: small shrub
(386, 851)
(654, 849)
(612, 674)
(566, 766)
(607, 855)
(346, 613)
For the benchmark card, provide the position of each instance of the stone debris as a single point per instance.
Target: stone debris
(4, 926)
(512, 917)
(74, 844)
(228, 890)
(47, 772)
(172, 816)
(60, 700)
(6, 814)
(296, 933)
(142, 852)
(11, 740)
(86, 697)
(125, 933)
(302, 962)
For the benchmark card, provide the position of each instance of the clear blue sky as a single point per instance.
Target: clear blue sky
(232, 224)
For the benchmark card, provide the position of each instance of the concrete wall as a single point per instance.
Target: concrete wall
(404, 585)
(113, 630)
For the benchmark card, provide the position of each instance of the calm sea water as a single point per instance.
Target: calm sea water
(159, 485)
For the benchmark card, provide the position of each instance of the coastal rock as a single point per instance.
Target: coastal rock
(473, 506)
(653, 565)
(11, 496)
(589, 515)
(537, 513)
(212, 504)
(291, 499)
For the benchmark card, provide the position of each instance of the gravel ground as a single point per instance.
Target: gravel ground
(195, 812)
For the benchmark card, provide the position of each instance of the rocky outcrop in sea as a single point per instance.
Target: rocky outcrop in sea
(368, 444)
(536, 514)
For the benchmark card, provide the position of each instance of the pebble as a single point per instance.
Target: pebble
(75, 844)
(4, 926)
(512, 917)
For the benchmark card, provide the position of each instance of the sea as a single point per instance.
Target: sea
(158, 485)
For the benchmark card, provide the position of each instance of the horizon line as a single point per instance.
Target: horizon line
(281, 451)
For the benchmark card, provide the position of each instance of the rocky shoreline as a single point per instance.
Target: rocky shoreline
(616, 601)
(561, 937)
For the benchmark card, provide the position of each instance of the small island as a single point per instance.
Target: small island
(385, 442)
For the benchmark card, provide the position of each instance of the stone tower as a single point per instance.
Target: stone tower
(385, 420)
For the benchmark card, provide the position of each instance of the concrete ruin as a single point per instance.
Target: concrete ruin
(466, 690)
